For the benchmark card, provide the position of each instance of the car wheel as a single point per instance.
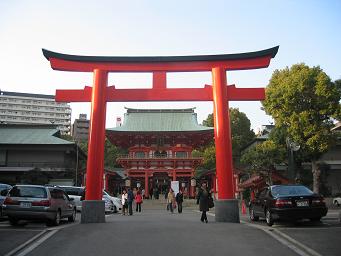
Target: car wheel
(336, 203)
(13, 221)
(268, 217)
(253, 217)
(56, 220)
(72, 218)
(115, 209)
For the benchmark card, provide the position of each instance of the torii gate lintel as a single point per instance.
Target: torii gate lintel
(161, 94)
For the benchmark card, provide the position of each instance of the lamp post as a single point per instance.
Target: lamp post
(292, 147)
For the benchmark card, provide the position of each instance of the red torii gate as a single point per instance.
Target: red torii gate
(219, 93)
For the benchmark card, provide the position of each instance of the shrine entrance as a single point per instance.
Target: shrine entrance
(226, 207)
(160, 183)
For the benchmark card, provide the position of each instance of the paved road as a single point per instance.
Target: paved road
(157, 232)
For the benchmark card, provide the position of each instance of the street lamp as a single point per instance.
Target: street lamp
(292, 147)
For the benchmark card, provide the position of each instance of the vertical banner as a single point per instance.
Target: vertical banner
(175, 186)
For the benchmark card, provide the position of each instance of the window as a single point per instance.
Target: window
(181, 154)
(3, 156)
(139, 154)
(33, 192)
(57, 194)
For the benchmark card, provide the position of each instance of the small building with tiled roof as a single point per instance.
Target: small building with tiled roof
(160, 144)
(35, 154)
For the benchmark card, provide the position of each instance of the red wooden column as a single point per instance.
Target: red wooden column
(222, 134)
(215, 186)
(146, 184)
(174, 175)
(95, 163)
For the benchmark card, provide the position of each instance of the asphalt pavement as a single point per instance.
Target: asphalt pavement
(158, 232)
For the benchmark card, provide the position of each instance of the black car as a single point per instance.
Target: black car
(288, 203)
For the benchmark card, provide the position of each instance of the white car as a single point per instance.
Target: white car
(337, 201)
(78, 192)
(116, 201)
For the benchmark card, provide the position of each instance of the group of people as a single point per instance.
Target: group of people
(204, 200)
(128, 198)
(173, 201)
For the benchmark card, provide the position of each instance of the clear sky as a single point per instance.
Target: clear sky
(306, 31)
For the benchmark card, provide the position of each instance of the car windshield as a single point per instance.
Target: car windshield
(290, 191)
(34, 192)
(4, 187)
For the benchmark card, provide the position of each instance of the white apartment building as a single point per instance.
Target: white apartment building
(28, 108)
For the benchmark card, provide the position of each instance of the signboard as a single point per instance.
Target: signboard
(175, 186)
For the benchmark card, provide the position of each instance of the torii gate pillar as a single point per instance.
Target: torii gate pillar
(226, 208)
(92, 208)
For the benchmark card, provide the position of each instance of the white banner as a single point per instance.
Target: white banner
(175, 186)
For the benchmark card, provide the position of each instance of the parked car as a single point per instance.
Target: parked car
(109, 204)
(116, 201)
(337, 200)
(287, 202)
(32, 202)
(78, 194)
(4, 188)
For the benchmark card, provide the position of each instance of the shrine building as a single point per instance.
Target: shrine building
(160, 144)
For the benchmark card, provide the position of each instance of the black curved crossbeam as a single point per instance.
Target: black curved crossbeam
(148, 59)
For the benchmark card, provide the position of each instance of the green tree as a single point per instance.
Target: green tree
(241, 134)
(262, 159)
(111, 152)
(304, 101)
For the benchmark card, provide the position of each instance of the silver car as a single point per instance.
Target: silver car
(78, 194)
(116, 201)
(31, 202)
(4, 188)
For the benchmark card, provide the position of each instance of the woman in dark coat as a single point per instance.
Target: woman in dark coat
(202, 199)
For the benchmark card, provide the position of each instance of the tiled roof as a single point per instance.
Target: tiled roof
(30, 134)
(160, 120)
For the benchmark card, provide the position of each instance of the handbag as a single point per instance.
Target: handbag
(210, 202)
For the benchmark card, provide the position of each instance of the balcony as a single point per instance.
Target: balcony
(129, 157)
(151, 162)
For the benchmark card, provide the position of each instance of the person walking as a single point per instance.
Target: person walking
(171, 200)
(203, 199)
(124, 202)
(130, 199)
(143, 193)
(179, 199)
(151, 193)
(138, 201)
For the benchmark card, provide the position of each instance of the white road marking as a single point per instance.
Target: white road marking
(284, 239)
(15, 250)
(37, 243)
